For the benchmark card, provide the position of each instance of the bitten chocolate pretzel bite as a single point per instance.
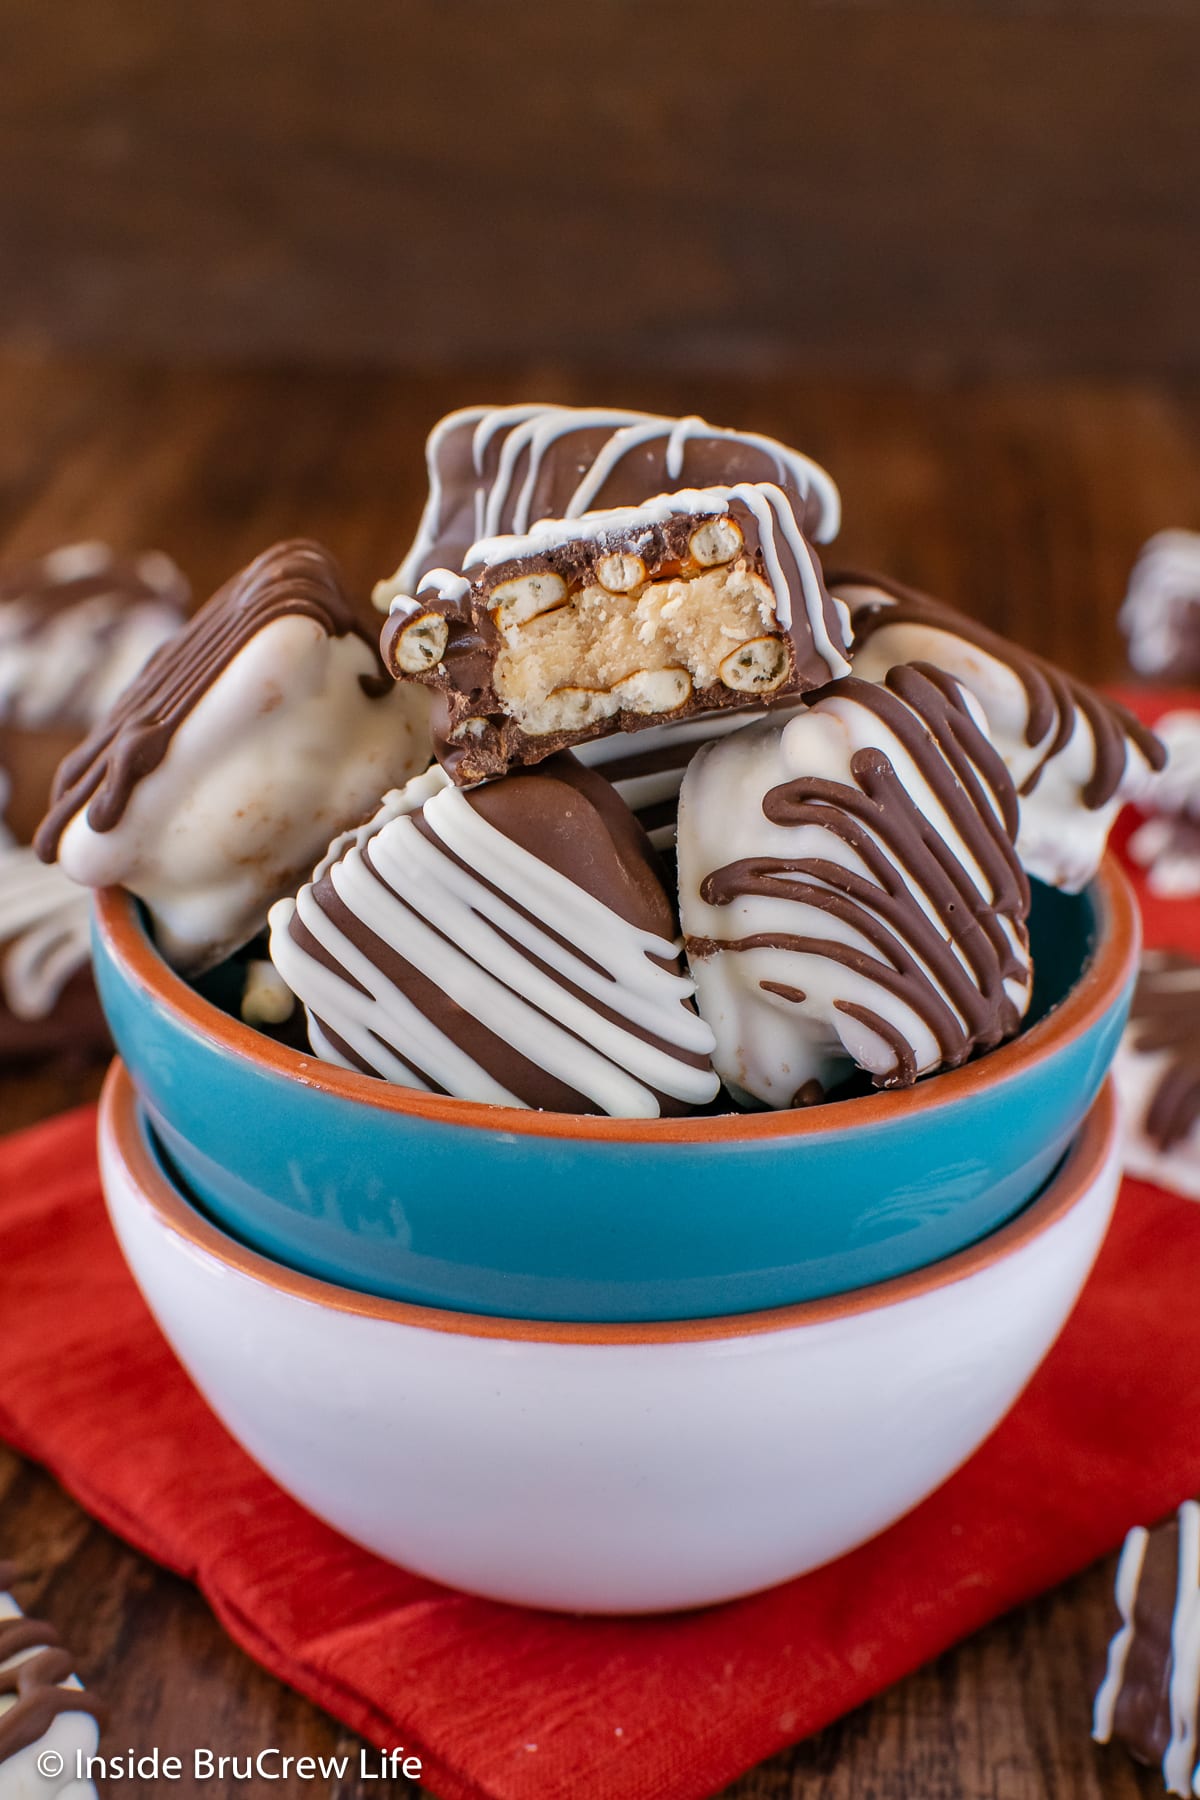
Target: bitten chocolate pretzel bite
(1167, 842)
(1158, 1073)
(1149, 1699)
(692, 602)
(850, 891)
(43, 1709)
(266, 726)
(498, 470)
(511, 944)
(1161, 612)
(1075, 756)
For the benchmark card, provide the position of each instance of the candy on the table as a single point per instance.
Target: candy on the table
(1149, 1698)
(1157, 1073)
(1074, 755)
(698, 600)
(44, 1711)
(850, 890)
(512, 943)
(499, 470)
(75, 628)
(44, 957)
(262, 729)
(1161, 612)
(1167, 842)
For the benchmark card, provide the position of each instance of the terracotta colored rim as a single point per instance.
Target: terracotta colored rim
(123, 1136)
(1110, 967)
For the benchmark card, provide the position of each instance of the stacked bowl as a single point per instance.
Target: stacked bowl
(600, 1364)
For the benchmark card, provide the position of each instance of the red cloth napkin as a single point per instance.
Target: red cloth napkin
(502, 1704)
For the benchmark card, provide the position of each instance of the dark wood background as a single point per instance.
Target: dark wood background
(849, 184)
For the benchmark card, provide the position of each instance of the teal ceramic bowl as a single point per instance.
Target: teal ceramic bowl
(449, 1203)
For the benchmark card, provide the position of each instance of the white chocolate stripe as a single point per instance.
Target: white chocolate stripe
(517, 1016)
(371, 1022)
(481, 945)
(1129, 1575)
(1179, 1762)
(533, 430)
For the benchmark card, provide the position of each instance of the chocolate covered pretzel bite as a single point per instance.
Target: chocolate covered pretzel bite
(511, 944)
(267, 725)
(693, 602)
(1075, 755)
(44, 1711)
(1149, 1698)
(850, 890)
(1157, 1073)
(1160, 614)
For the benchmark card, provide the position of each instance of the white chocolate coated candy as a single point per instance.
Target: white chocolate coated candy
(1160, 615)
(280, 752)
(1167, 843)
(812, 944)
(1061, 838)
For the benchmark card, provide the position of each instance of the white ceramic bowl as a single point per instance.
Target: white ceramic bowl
(621, 1468)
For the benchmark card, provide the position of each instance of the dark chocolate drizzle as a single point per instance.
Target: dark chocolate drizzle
(34, 1682)
(294, 577)
(1052, 695)
(1166, 1017)
(962, 1001)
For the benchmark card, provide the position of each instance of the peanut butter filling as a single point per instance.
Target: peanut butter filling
(620, 641)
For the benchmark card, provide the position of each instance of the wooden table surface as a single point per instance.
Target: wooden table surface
(1025, 503)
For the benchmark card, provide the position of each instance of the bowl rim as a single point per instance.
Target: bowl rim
(122, 1135)
(1111, 965)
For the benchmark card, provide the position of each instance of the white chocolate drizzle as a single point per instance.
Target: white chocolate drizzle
(1129, 1574)
(531, 431)
(1181, 1679)
(485, 949)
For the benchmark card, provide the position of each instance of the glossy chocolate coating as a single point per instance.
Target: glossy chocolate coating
(500, 469)
(521, 995)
